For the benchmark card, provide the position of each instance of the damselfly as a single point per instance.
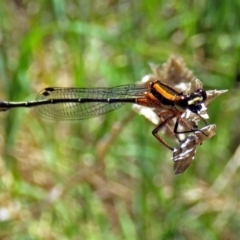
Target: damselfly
(81, 103)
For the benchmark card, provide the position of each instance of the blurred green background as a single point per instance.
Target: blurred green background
(108, 177)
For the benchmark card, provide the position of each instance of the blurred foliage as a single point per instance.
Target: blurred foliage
(108, 178)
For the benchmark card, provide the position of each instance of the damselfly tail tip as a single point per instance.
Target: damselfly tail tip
(3, 106)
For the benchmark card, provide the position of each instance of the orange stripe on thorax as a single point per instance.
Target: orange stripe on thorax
(163, 91)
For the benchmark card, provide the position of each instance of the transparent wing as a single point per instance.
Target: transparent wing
(77, 110)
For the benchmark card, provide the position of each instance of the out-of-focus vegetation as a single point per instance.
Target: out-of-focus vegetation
(108, 177)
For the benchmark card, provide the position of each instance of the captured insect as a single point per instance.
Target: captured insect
(184, 154)
(81, 103)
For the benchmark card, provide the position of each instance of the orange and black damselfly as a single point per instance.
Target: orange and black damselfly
(81, 103)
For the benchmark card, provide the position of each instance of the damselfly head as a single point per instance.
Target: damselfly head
(196, 99)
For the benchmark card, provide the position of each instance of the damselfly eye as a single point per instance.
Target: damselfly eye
(197, 97)
(201, 93)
